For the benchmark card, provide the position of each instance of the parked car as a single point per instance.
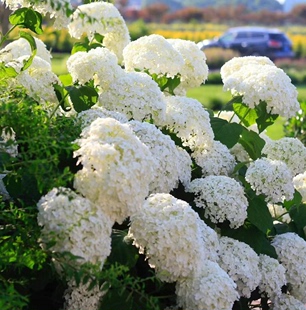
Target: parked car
(257, 41)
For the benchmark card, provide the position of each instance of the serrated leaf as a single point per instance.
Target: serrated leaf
(264, 119)
(252, 143)
(259, 215)
(27, 18)
(298, 215)
(62, 97)
(123, 252)
(82, 98)
(225, 132)
(247, 115)
(252, 236)
(6, 72)
(295, 201)
(79, 47)
(98, 37)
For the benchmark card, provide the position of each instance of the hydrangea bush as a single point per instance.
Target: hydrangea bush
(119, 192)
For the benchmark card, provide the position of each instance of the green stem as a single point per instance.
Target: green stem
(230, 103)
(57, 106)
(4, 38)
(247, 112)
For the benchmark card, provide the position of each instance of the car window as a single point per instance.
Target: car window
(227, 37)
(243, 35)
(257, 35)
(278, 37)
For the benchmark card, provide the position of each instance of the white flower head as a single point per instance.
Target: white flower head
(222, 198)
(263, 82)
(215, 159)
(287, 302)
(299, 182)
(167, 230)
(79, 297)
(241, 262)
(168, 170)
(187, 118)
(272, 276)
(88, 116)
(210, 288)
(154, 54)
(117, 168)
(238, 63)
(135, 95)
(289, 150)
(291, 252)
(21, 47)
(76, 224)
(195, 70)
(98, 64)
(271, 178)
(102, 18)
(38, 79)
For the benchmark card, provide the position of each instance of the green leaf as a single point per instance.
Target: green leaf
(252, 143)
(259, 215)
(62, 97)
(7, 72)
(83, 98)
(264, 118)
(225, 132)
(123, 252)
(98, 37)
(79, 47)
(5, 159)
(66, 79)
(252, 236)
(114, 299)
(27, 18)
(298, 215)
(247, 115)
(295, 201)
(32, 42)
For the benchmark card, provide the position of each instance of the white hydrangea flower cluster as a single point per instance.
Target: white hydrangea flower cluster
(210, 288)
(102, 18)
(257, 82)
(241, 262)
(237, 63)
(167, 230)
(291, 252)
(271, 178)
(79, 297)
(299, 183)
(187, 118)
(135, 95)
(55, 8)
(289, 150)
(77, 225)
(222, 198)
(117, 168)
(21, 47)
(210, 240)
(272, 276)
(279, 213)
(195, 70)
(37, 80)
(287, 302)
(240, 154)
(99, 64)
(88, 116)
(215, 160)
(154, 54)
(168, 170)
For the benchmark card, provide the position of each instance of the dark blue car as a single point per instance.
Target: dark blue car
(256, 41)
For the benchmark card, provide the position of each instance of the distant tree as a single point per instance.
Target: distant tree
(154, 12)
(298, 13)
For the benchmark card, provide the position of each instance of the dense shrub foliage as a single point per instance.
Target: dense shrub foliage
(119, 192)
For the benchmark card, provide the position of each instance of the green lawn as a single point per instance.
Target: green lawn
(209, 95)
